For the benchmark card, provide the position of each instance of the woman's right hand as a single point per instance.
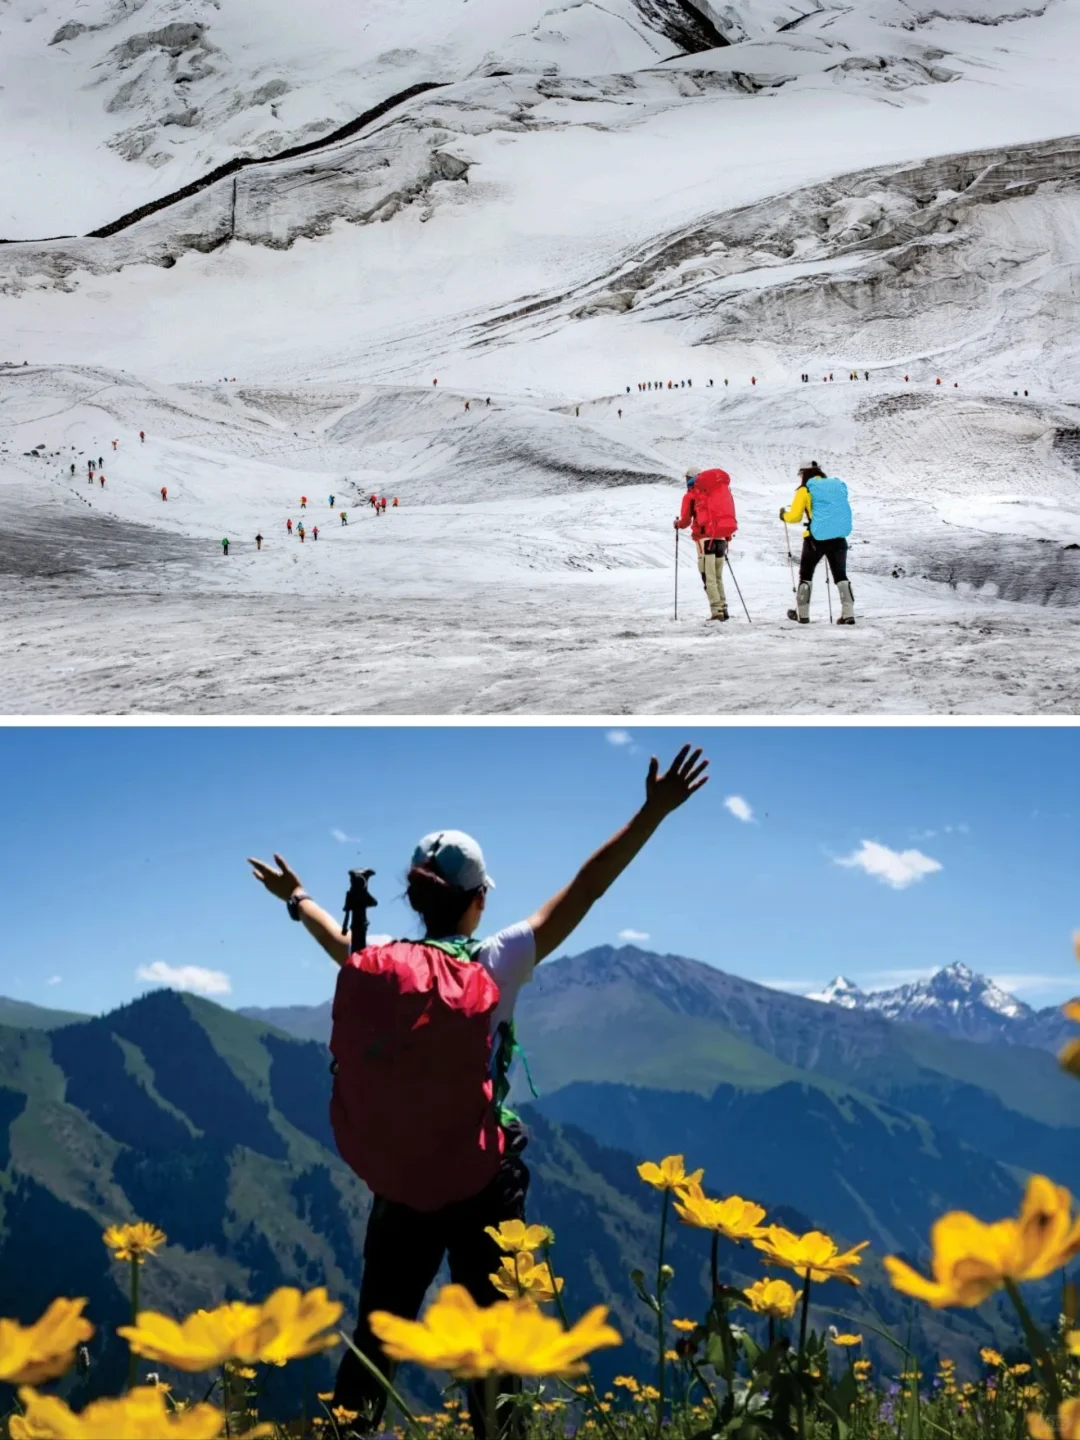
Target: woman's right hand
(282, 883)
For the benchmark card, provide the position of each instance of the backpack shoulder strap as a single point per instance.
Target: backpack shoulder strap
(457, 949)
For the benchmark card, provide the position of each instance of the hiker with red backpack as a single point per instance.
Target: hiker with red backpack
(708, 509)
(422, 1042)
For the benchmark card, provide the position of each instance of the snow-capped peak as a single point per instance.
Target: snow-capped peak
(955, 999)
(841, 991)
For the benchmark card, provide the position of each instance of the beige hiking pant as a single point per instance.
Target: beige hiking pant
(711, 570)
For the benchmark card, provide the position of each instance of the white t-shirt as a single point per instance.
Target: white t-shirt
(510, 959)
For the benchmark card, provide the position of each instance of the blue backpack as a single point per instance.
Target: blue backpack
(831, 514)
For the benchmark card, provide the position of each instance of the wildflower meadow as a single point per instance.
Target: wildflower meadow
(747, 1366)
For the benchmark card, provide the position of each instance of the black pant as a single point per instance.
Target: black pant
(813, 551)
(403, 1250)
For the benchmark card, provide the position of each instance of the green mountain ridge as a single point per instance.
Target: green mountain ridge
(24, 1016)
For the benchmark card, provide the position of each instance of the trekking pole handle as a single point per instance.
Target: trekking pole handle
(358, 901)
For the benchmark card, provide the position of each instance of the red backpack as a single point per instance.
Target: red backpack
(414, 1110)
(714, 507)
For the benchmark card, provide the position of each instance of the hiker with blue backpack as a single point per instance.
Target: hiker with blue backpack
(822, 502)
(422, 1040)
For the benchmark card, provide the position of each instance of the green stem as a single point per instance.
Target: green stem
(132, 1357)
(491, 1403)
(707, 1388)
(594, 1399)
(661, 1339)
(802, 1351)
(1039, 1350)
(373, 1370)
(805, 1315)
(226, 1398)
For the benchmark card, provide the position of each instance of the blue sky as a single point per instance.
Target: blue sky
(880, 853)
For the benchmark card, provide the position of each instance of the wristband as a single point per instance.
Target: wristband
(292, 905)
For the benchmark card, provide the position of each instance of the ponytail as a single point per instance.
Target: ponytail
(439, 904)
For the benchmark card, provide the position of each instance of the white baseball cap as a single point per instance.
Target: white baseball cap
(457, 858)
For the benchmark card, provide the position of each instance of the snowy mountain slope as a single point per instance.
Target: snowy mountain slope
(112, 104)
(958, 1002)
(140, 98)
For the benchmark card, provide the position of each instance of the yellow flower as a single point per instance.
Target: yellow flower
(846, 1339)
(670, 1174)
(1019, 1369)
(1067, 1427)
(246, 1372)
(862, 1369)
(133, 1242)
(812, 1254)
(991, 1357)
(346, 1417)
(627, 1382)
(285, 1327)
(514, 1235)
(519, 1275)
(972, 1259)
(773, 1297)
(684, 1325)
(671, 1355)
(142, 1414)
(329, 1395)
(735, 1218)
(32, 1353)
(511, 1337)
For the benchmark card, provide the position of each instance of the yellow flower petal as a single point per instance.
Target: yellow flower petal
(510, 1337)
(670, 1174)
(33, 1353)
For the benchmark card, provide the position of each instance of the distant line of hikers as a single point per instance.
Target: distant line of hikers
(820, 502)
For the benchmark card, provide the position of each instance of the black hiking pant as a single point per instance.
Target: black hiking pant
(403, 1250)
(813, 551)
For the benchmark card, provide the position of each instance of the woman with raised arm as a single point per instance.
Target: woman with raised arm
(422, 1043)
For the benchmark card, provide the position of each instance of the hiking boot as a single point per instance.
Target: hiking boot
(722, 616)
(847, 602)
(801, 613)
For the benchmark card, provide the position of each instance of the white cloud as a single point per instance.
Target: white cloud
(54, 980)
(794, 987)
(897, 868)
(739, 808)
(343, 838)
(1033, 984)
(633, 935)
(619, 737)
(186, 977)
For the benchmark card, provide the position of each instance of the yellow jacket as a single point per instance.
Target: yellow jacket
(802, 508)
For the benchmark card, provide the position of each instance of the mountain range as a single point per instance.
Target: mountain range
(956, 1001)
(214, 1125)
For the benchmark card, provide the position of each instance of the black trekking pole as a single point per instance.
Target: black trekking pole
(790, 558)
(676, 574)
(828, 589)
(737, 590)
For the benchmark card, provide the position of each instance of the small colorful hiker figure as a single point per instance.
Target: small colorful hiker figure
(258, 542)
(225, 546)
(164, 492)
